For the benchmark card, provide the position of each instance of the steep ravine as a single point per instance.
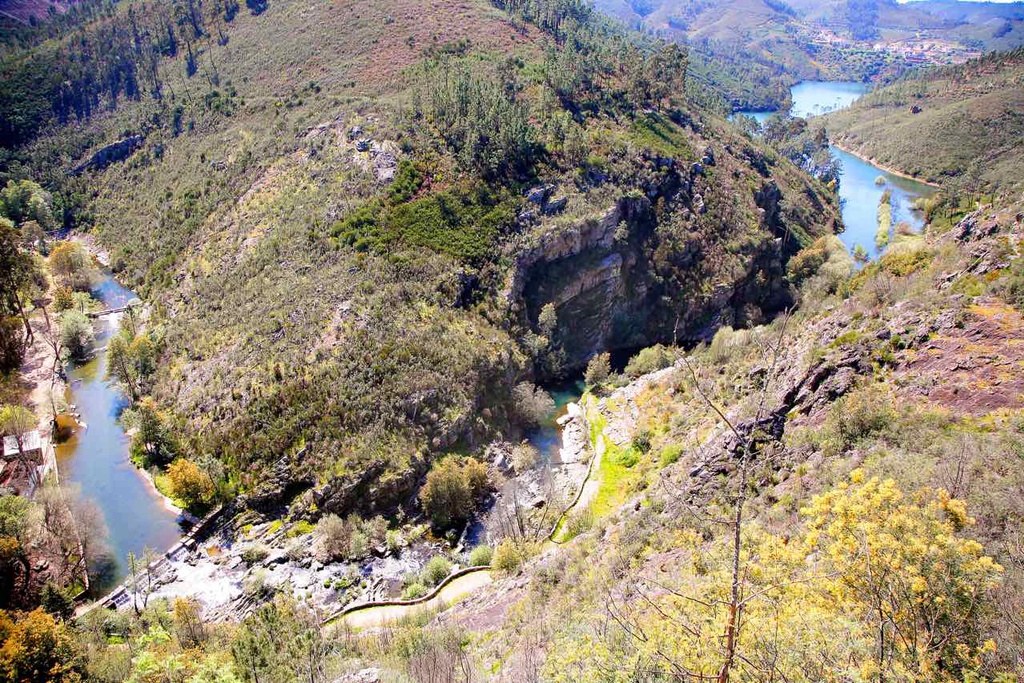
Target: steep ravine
(623, 280)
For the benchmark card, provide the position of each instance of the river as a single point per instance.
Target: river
(859, 191)
(547, 438)
(95, 458)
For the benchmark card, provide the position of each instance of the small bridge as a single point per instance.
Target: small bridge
(108, 311)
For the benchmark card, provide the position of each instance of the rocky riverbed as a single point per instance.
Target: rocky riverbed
(244, 562)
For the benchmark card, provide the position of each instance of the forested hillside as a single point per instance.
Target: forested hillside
(961, 125)
(485, 303)
(363, 224)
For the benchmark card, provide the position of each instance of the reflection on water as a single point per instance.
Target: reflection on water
(95, 458)
(547, 438)
(859, 193)
(811, 98)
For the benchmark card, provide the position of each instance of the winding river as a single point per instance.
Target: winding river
(95, 458)
(859, 189)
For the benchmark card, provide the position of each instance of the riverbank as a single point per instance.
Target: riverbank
(95, 457)
(40, 377)
(888, 169)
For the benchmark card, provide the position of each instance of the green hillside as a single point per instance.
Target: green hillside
(962, 125)
(327, 205)
(485, 349)
(761, 47)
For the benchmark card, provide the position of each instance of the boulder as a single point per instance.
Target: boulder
(370, 675)
(539, 194)
(556, 205)
(709, 157)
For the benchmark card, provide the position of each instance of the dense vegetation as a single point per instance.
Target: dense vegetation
(367, 232)
(328, 256)
(873, 536)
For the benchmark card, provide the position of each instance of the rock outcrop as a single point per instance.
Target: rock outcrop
(614, 282)
(110, 154)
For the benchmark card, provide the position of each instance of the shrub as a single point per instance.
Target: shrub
(256, 584)
(436, 570)
(1015, 289)
(189, 484)
(333, 535)
(531, 404)
(255, 554)
(598, 370)
(548, 320)
(393, 540)
(904, 262)
(376, 530)
(62, 299)
(807, 261)
(71, 264)
(358, 544)
(453, 490)
(580, 522)
(481, 556)
(57, 601)
(627, 457)
(301, 528)
(642, 441)
(856, 416)
(296, 550)
(649, 360)
(508, 557)
(670, 454)
(525, 457)
(414, 590)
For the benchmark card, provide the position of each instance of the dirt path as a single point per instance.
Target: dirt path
(37, 372)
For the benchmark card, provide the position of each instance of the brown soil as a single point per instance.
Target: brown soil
(430, 24)
(975, 369)
(36, 372)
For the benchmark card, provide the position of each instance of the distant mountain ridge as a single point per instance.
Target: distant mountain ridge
(777, 42)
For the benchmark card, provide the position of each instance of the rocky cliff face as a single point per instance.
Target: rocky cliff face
(642, 271)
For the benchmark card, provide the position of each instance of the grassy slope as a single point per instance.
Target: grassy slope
(970, 123)
(922, 406)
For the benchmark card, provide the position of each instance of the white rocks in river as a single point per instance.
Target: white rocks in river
(575, 441)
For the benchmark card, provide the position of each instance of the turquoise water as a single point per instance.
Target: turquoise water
(547, 438)
(858, 192)
(96, 460)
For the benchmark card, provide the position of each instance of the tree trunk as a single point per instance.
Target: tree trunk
(734, 602)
